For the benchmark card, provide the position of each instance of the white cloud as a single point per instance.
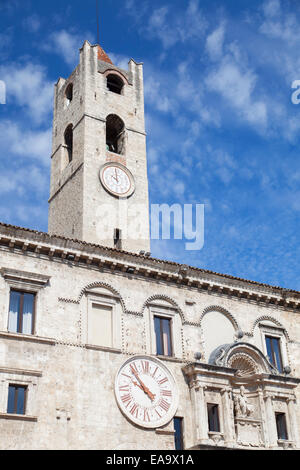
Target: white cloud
(24, 143)
(283, 26)
(67, 44)
(171, 29)
(214, 43)
(236, 84)
(24, 181)
(271, 8)
(27, 85)
(155, 94)
(119, 60)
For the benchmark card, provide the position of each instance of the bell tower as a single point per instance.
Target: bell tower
(99, 184)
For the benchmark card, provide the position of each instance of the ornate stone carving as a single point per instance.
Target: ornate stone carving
(244, 364)
(241, 406)
(249, 432)
(219, 359)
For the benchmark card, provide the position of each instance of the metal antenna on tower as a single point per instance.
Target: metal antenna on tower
(98, 27)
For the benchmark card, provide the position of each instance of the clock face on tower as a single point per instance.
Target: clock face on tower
(117, 180)
(146, 392)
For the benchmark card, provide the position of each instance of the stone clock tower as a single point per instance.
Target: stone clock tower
(99, 185)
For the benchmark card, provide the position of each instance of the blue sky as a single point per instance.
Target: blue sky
(222, 129)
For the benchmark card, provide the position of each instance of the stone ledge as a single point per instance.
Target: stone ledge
(15, 417)
(11, 370)
(164, 432)
(21, 337)
(170, 359)
(102, 348)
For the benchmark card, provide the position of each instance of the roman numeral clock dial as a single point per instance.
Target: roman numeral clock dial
(146, 392)
(117, 180)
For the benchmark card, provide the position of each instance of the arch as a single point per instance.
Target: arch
(69, 93)
(118, 73)
(245, 357)
(68, 141)
(217, 308)
(104, 285)
(115, 134)
(115, 83)
(272, 320)
(218, 326)
(167, 299)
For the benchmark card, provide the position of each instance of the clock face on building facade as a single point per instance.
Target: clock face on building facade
(117, 179)
(146, 392)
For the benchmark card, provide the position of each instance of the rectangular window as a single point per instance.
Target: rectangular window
(162, 327)
(16, 399)
(100, 326)
(274, 352)
(213, 418)
(281, 426)
(118, 239)
(21, 312)
(178, 427)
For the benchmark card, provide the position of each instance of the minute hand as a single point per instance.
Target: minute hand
(146, 389)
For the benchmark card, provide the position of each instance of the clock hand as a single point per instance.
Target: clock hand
(117, 179)
(146, 390)
(137, 385)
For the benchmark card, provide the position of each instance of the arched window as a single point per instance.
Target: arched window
(69, 93)
(115, 83)
(115, 134)
(69, 142)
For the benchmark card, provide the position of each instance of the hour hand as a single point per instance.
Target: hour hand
(146, 389)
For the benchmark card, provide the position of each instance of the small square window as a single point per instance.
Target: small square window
(21, 312)
(16, 399)
(213, 418)
(281, 426)
(162, 327)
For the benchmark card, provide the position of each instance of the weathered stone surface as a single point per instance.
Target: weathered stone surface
(69, 368)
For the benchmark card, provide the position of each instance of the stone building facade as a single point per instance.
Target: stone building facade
(99, 341)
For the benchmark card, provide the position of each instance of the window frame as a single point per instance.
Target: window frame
(29, 379)
(15, 408)
(20, 313)
(180, 420)
(105, 299)
(279, 425)
(268, 330)
(170, 337)
(27, 282)
(118, 239)
(273, 359)
(212, 418)
(160, 308)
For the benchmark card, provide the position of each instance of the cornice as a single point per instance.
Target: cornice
(13, 276)
(14, 371)
(77, 253)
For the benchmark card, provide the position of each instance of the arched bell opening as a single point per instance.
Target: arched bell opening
(115, 84)
(115, 134)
